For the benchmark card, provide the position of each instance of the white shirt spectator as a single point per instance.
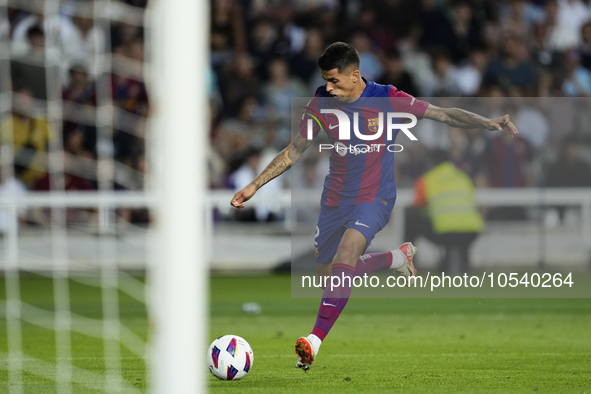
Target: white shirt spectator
(533, 126)
(467, 78)
(75, 47)
(246, 174)
(12, 188)
(572, 14)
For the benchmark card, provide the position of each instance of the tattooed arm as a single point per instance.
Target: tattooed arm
(281, 163)
(461, 118)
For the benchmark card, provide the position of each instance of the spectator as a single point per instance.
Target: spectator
(29, 136)
(507, 162)
(69, 182)
(457, 32)
(10, 186)
(444, 82)
(129, 94)
(396, 75)
(569, 170)
(585, 46)
(468, 76)
(445, 213)
(380, 35)
(415, 60)
(236, 134)
(80, 88)
(227, 29)
(578, 79)
(520, 16)
(278, 93)
(571, 15)
(511, 68)
(304, 64)
(263, 40)
(237, 81)
(21, 40)
(83, 41)
(291, 37)
(540, 47)
(28, 69)
(252, 166)
(370, 66)
(533, 126)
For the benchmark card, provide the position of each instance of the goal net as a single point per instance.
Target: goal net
(100, 226)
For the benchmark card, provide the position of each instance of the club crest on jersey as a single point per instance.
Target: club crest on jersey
(373, 124)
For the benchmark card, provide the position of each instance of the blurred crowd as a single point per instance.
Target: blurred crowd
(92, 68)
(264, 52)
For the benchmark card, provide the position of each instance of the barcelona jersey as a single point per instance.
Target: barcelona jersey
(360, 170)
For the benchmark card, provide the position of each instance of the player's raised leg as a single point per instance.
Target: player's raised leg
(400, 260)
(334, 298)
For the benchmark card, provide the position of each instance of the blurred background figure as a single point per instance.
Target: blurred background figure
(253, 164)
(569, 170)
(264, 53)
(445, 213)
(10, 186)
(29, 134)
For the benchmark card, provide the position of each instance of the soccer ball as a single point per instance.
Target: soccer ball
(230, 357)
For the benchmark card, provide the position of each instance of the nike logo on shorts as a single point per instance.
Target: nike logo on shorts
(332, 127)
(327, 304)
(361, 224)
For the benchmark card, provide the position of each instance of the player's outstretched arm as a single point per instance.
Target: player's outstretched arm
(281, 163)
(457, 117)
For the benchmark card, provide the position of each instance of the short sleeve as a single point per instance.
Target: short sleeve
(404, 102)
(311, 113)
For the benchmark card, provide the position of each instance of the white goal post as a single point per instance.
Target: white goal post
(179, 69)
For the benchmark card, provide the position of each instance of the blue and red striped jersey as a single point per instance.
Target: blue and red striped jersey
(360, 175)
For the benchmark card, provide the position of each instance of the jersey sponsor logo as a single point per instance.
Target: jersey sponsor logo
(361, 224)
(340, 148)
(360, 149)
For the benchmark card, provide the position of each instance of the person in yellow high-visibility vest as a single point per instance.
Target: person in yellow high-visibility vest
(445, 213)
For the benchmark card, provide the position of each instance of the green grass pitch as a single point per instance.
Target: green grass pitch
(407, 346)
(377, 345)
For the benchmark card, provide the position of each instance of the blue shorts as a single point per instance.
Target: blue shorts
(367, 218)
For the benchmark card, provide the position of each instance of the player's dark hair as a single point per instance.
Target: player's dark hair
(339, 55)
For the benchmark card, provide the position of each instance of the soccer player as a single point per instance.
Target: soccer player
(359, 190)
